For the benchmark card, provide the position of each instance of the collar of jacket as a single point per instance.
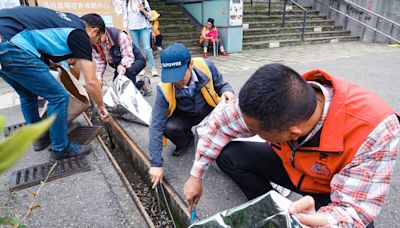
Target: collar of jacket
(110, 41)
(203, 79)
(334, 125)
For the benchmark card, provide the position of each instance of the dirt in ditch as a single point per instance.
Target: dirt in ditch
(145, 194)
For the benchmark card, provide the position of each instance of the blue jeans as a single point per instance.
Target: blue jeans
(143, 36)
(30, 78)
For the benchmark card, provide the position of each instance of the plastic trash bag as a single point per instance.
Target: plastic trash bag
(78, 96)
(267, 211)
(124, 100)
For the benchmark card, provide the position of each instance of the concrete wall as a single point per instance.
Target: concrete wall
(387, 8)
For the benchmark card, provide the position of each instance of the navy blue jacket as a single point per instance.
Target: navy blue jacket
(39, 30)
(185, 105)
(113, 35)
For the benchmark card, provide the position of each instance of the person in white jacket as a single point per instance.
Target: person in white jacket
(136, 20)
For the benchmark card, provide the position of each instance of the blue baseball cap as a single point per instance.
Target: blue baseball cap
(174, 61)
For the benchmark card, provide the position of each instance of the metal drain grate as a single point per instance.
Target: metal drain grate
(32, 176)
(83, 134)
(10, 129)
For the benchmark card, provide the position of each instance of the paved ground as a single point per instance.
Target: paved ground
(97, 198)
(373, 66)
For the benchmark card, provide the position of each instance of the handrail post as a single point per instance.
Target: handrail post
(269, 7)
(284, 13)
(390, 34)
(376, 27)
(304, 26)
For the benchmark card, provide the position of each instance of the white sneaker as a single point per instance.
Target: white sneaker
(141, 73)
(154, 72)
(283, 191)
(159, 48)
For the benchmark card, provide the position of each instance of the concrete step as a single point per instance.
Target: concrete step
(294, 42)
(172, 35)
(278, 12)
(164, 7)
(299, 17)
(273, 7)
(293, 36)
(174, 20)
(172, 14)
(297, 29)
(187, 42)
(289, 23)
(179, 28)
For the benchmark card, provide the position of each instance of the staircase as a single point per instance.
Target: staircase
(175, 26)
(265, 31)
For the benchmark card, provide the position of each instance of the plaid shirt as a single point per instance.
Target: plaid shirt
(358, 190)
(101, 58)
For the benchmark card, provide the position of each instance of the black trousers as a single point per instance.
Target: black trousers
(179, 127)
(132, 71)
(253, 165)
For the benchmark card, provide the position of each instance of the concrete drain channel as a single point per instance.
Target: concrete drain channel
(132, 166)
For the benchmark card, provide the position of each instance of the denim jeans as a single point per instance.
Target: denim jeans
(143, 36)
(30, 78)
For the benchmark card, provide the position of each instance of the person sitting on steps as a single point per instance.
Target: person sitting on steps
(209, 36)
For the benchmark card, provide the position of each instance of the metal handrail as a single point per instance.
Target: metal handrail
(369, 11)
(375, 14)
(304, 18)
(356, 20)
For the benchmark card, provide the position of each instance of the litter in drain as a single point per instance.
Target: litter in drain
(10, 129)
(83, 134)
(32, 176)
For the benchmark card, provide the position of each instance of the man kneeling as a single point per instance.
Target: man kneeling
(190, 89)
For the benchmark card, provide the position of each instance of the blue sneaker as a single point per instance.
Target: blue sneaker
(72, 150)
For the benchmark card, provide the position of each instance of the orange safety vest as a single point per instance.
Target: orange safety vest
(353, 114)
(208, 91)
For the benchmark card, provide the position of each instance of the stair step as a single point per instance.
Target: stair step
(292, 42)
(289, 23)
(176, 21)
(274, 7)
(179, 28)
(175, 36)
(256, 18)
(164, 7)
(164, 12)
(297, 29)
(292, 36)
(278, 12)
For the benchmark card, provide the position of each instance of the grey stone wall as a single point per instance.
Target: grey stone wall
(386, 8)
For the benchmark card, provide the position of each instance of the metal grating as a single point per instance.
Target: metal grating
(10, 129)
(32, 176)
(83, 134)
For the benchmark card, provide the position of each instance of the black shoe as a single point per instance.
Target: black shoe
(42, 142)
(72, 150)
(181, 151)
(145, 86)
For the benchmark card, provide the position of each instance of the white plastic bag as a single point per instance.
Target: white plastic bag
(124, 100)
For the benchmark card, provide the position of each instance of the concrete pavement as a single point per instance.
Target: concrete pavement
(371, 65)
(97, 198)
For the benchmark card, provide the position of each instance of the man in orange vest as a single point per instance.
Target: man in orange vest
(190, 89)
(330, 140)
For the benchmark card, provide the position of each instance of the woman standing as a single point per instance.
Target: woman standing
(136, 20)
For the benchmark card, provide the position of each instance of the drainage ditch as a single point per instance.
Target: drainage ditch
(141, 188)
